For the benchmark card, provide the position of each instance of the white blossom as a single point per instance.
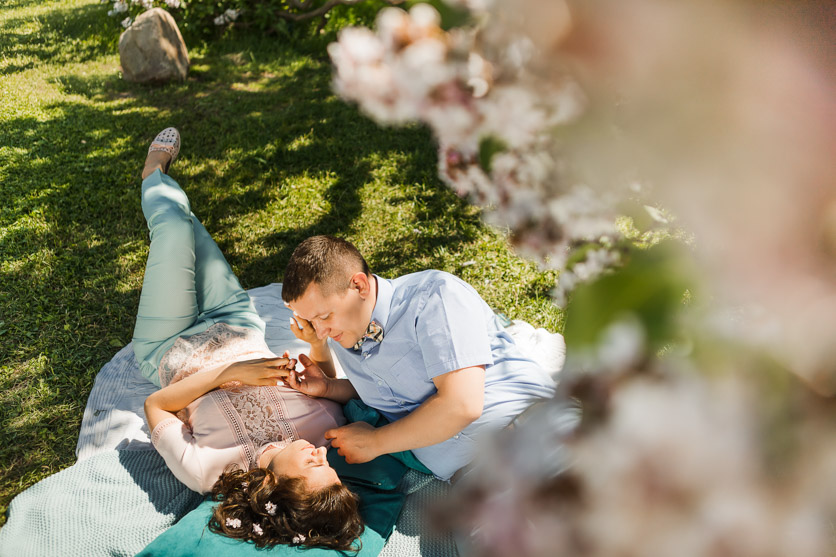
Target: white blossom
(126, 22)
(172, 3)
(119, 6)
(233, 522)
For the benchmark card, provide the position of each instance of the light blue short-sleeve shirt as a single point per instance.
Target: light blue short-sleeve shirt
(435, 323)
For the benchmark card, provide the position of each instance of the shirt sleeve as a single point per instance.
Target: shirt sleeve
(198, 467)
(452, 330)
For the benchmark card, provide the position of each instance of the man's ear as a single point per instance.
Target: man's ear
(360, 282)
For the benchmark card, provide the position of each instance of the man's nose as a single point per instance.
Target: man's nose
(321, 332)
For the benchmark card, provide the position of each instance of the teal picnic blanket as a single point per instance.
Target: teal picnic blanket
(112, 503)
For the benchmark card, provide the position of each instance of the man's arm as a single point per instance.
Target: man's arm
(458, 403)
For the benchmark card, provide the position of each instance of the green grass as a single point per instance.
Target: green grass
(269, 157)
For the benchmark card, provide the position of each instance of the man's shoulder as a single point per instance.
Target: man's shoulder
(430, 281)
(416, 288)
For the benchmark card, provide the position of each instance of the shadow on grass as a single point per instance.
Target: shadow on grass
(64, 35)
(257, 119)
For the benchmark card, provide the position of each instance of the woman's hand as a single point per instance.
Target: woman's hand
(261, 371)
(304, 330)
(310, 381)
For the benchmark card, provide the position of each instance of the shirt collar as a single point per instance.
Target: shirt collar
(380, 313)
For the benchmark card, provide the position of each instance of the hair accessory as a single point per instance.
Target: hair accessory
(270, 507)
(298, 538)
(233, 522)
(257, 530)
(245, 485)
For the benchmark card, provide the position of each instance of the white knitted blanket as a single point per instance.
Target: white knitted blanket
(120, 495)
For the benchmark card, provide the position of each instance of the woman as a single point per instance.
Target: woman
(224, 420)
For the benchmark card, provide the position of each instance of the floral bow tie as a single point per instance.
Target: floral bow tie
(373, 332)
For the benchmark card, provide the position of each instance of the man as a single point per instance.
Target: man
(424, 350)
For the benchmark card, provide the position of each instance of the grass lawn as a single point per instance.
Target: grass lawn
(270, 156)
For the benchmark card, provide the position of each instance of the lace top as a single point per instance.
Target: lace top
(236, 423)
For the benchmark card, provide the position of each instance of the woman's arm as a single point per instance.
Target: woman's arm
(173, 398)
(320, 353)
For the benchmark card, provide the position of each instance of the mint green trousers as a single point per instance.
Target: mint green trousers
(188, 284)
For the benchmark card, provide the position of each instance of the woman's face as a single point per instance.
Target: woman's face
(301, 459)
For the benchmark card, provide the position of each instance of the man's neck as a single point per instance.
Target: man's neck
(373, 297)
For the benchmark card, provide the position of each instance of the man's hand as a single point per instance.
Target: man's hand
(357, 442)
(310, 381)
(304, 330)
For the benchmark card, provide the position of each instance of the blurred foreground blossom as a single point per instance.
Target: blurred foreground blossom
(706, 369)
(546, 114)
(657, 467)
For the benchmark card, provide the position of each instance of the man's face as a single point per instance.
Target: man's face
(343, 316)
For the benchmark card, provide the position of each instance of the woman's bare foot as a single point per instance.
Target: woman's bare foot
(156, 160)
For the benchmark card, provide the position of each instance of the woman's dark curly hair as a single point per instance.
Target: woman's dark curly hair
(269, 510)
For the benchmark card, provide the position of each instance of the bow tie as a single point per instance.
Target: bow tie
(373, 332)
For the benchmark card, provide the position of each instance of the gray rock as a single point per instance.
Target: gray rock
(152, 49)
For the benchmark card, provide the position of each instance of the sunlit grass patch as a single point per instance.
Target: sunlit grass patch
(270, 156)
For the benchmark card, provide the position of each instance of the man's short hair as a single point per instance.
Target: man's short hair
(327, 261)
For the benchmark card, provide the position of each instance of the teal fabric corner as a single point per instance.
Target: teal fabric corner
(380, 505)
(192, 537)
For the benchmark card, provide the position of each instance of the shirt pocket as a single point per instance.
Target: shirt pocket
(407, 377)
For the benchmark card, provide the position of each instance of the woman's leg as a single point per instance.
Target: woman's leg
(188, 283)
(168, 304)
(220, 297)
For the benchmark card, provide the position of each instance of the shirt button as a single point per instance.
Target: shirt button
(380, 382)
(456, 436)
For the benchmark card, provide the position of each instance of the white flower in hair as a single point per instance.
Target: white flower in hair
(298, 538)
(270, 507)
(245, 485)
(233, 522)
(257, 530)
